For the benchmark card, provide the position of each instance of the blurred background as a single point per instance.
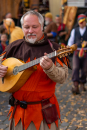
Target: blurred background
(68, 9)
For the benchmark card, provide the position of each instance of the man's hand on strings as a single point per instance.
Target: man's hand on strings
(45, 62)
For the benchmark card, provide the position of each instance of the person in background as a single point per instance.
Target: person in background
(3, 42)
(50, 28)
(79, 68)
(34, 106)
(4, 31)
(61, 30)
(9, 15)
(14, 32)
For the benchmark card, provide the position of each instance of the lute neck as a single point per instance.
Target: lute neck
(35, 62)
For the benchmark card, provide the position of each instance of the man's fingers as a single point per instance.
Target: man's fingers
(45, 53)
(46, 58)
(2, 67)
(3, 70)
(43, 61)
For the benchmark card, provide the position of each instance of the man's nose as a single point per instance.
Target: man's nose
(30, 30)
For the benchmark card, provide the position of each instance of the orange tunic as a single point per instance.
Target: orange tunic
(38, 87)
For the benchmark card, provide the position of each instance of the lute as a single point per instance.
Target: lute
(18, 72)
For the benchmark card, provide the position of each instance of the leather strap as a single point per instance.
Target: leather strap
(16, 103)
(51, 45)
(37, 102)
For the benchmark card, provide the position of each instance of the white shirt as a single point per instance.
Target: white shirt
(71, 39)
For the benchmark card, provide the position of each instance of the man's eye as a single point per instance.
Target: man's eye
(35, 27)
(26, 27)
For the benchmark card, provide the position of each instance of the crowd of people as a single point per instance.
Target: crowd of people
(34, 106)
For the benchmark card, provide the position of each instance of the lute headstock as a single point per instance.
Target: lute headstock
(66, 50)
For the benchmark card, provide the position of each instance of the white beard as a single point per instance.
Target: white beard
(47, 22)
(31, 40)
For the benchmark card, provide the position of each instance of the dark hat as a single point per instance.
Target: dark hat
(81, 18)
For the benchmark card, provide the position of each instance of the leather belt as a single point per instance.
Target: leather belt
(21, 103)
(31, 103)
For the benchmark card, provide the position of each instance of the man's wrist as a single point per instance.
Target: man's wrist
(50, 69)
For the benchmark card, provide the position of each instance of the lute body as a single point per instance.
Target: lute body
(13, 82)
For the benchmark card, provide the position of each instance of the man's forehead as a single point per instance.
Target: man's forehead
(31, 17)
(31, 20)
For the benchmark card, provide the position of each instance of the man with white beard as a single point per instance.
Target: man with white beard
(51, 27)
(37, 95)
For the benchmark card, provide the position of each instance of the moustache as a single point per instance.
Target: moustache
(31, 34)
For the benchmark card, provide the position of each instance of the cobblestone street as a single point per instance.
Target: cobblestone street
(73, 108)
